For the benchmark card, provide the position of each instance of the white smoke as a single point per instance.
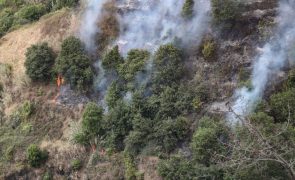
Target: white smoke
(152, 23)
(146, 24)
(89, 27)
(273, 58)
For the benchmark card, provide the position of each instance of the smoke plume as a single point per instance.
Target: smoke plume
(273, 58)
(89, 28)
(151, 23)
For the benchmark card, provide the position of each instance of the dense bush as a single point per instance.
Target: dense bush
(74, 65)
(92, 124)
(6, 21)
(134, 63)
(225, 11)
(114, 94)
(31, 12)
(36, 156)
(176, 167)
(170, 132)
(58, 4)
(209, 49)
(282, 105)
(112, 59)
(39, 62)
(207, 140)
(188, 9)
(118, 125)
(168, 67)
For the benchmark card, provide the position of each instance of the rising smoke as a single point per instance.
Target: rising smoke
(145, 24)
(152, 23)
(273, 58)
(89, 28)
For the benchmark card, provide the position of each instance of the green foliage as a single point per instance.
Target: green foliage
(31, 12)
(209, 49)
(73, 64)
(39, 62)
(118, 125)
(35, 156)
(282, 105)
(134, 63)
(76, 164)
(92, 120)
(114, 94)
(170, 132)
(112, 59)
(291, 79)
(58, 4)
(6, 21)
(176, 167)
(26, 110)
(92, 124)
(168, 67)
(206, 140)
(224, 11)
(188, 9)
(130, 167)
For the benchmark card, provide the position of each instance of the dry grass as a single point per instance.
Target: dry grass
(52, 28)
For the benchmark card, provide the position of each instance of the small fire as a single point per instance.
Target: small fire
(59, 82)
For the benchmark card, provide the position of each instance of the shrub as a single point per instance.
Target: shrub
(74, 65)
(92, 120)
(176, 167)
(206, 140)
(188, 9)
(76, 164)
(58, 4)
(169, 132)
(130, 167)
(282, 105)
(92, 124)
(26, 110)
(31, 12)
(291, 79)
(35, 156)
(168, 67)
(114, 94)
(209, 49)
(134, 63)
(224, 11)
(112, 59)
(39, 62)
(118, 125)
(6, 21)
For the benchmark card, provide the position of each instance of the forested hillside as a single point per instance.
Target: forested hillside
(147, 89)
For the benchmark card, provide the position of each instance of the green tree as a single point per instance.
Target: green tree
(112, 59)
(188, 9)
(282, 105)
(114, 94)
(168, 67)
(225, 11)
(6, 20)
(118, 125)
(31, 12)
(92, 120)
(35, 156)
(176, 167)
(207, 140)
(134, 63)
(170, 132)
(39, 62)
(74, 65)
